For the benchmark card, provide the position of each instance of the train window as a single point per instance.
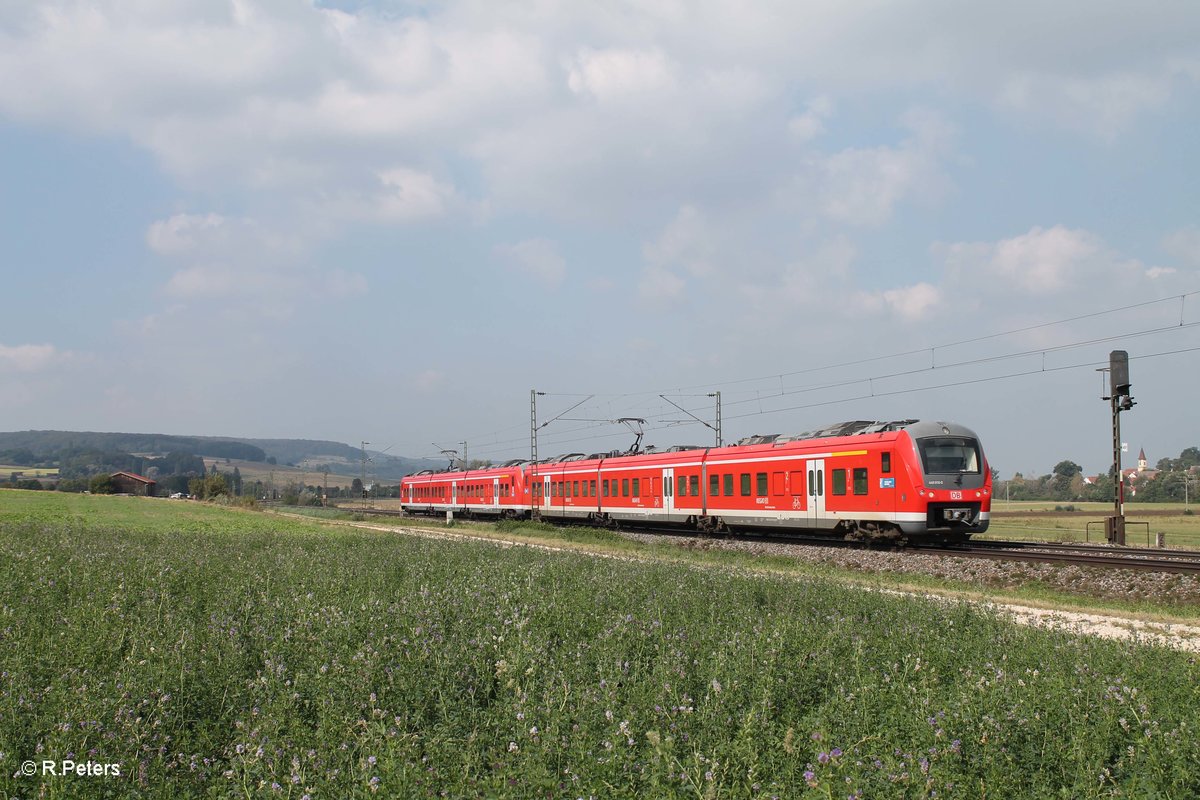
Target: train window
(950, 455)
(624, 487)
(728, 484)
(681, 485)
(760, 484)
(860, 480)
(576, 484)
(637, 486)
(604, 487)
(694, 484)
(886, 463)
(838, 481)
(667, 486)
(820, 482)
(812, 484)
(745, 484)
(593, 488)
(714, 485)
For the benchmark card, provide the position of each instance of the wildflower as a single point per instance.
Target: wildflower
(810, 777)
(371, 760)
(836, 752)
(512, 747)
(823, 758)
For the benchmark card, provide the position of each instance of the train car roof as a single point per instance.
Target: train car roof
(915, 428)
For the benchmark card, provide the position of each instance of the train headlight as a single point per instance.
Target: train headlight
(921, 493)
(979, 494)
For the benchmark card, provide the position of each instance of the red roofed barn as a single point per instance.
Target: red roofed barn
(129, 483)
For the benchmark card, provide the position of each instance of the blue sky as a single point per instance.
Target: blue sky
(390, 221)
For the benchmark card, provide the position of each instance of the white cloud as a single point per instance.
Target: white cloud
(537, 258)
(409, 194)
(614, 74)
(200, 233)
(658, 283)
(1042, 261)
(810, 280)
(29, 357)
(1184, 244)
(811, 124)
(913, 302)
(217, 257)
(1104, 104)
(686, 242)
(862, 186)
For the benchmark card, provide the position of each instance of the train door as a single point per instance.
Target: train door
(495, 491)
(454, 493)
(668, 490)
(816, 492)
(546, 499)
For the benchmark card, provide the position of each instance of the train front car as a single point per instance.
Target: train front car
(952, 481)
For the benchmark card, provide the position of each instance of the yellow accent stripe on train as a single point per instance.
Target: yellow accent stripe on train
(848, 453)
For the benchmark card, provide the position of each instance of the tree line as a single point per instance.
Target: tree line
(1172, 481)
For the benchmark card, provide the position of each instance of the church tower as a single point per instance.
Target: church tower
(1142, 460)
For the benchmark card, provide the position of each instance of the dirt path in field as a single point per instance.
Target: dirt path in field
(1175, 635)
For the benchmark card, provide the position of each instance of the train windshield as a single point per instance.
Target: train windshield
(949, 455)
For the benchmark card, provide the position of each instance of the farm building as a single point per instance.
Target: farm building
(129, 483)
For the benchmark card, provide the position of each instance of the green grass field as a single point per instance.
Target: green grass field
(1051, 521)
(220, 653)
(29, 472)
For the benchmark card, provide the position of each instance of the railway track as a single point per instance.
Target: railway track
(1138, 558)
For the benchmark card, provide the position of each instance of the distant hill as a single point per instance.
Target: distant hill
(312, 454)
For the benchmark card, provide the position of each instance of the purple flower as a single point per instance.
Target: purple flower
(823, 758)
(836, 752)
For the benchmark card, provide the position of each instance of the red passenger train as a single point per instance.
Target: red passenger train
(907, 479)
